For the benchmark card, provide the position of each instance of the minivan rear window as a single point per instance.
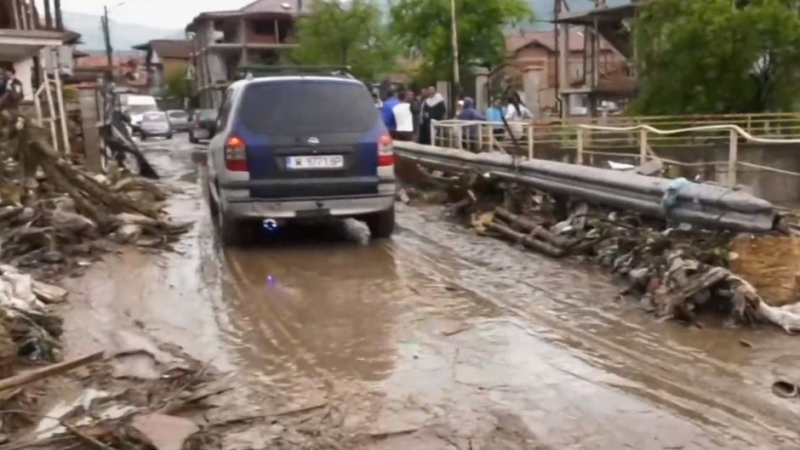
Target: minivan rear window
(305, 106)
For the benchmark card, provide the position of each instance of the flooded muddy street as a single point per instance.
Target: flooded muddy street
(436, 339)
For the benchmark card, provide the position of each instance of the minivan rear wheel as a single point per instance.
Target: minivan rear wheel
(381, 225)
(230, 230)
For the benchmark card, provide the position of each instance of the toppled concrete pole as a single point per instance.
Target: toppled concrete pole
(705, 205)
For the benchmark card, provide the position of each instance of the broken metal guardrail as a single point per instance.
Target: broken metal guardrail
(705, 205)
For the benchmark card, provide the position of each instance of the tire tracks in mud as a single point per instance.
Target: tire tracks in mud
(715, 399)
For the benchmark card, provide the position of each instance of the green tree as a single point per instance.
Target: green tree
(178, 85)
(345, 33)
(424, 26)
(718, 56)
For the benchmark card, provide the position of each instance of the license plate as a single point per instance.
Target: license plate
(315, 162)
(201, 134)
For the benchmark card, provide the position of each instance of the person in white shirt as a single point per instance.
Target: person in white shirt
(516, 114)
(404, 119)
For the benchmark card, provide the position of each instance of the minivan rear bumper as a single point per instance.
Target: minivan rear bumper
(353, 206)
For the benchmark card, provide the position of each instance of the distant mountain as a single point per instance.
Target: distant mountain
(123, 35)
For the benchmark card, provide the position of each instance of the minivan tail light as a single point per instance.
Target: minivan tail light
(236, 154)
(385, 151)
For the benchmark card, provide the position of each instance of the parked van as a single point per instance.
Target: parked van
(134, 107)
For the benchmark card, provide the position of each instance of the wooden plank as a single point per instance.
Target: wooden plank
(33, 376)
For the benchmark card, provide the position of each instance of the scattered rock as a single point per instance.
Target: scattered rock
(48, 293)
(785, 389)
(128, 233)
(452, 328)
(139, 365)
(165, 432)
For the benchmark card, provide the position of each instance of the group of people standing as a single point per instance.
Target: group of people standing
(406, 115)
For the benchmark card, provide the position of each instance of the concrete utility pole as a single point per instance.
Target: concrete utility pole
(59, 18)
(456, 74)
(107, 39)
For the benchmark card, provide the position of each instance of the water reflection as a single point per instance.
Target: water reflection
(313, 303)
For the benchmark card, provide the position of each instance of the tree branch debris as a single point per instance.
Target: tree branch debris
(677, 270)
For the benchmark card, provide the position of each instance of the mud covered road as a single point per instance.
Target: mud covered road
(437, 339)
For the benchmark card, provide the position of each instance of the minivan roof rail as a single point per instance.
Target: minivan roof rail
(259, 71)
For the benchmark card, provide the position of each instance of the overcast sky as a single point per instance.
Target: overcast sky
(169, 14)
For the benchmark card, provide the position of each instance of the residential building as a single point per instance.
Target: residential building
(226, 40)
(537, 52)
(602, 25)
(163, 59)
(28, 40)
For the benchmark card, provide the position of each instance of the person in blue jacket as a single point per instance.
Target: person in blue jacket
(495, 114)
(387, 113)
(469, 113)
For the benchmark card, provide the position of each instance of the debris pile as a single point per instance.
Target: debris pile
(678, 270)
(27, 328)
(115, 408)
(55, 216)
(140, 396)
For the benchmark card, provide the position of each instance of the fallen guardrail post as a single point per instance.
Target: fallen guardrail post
(679, 200)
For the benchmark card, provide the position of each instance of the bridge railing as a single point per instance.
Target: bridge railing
(628, 138)
(735, 134)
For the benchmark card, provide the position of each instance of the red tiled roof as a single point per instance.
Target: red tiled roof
(101, 61)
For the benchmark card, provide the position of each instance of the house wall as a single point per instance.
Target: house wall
(211, 66)
(545, 62)
(24, 69)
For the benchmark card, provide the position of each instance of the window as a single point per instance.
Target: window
(263, 27)
(154, 116)
(222, 120)
(308, 106)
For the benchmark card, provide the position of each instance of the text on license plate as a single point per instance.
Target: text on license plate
(315, 162)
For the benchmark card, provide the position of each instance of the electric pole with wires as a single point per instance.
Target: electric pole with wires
(107, 39)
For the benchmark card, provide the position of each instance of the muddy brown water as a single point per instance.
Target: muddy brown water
(439, 329)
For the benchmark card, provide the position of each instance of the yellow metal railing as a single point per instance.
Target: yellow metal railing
(632, 139)
(562, 133)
